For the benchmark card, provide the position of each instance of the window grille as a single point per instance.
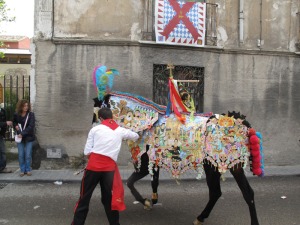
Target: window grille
(187, 73)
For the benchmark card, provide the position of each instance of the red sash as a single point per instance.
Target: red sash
(102, 163)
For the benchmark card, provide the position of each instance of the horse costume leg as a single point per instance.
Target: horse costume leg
(154, 185)
(248, 193)
(213, 183)
(137, 175)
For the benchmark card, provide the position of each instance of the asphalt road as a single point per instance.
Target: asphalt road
(277, 201)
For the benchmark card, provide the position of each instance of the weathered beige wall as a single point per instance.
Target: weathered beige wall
(263, 87)
(5, 67)
(263, 83)
(274, 23)
(94, 19)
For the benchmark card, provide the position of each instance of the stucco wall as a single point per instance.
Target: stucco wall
(5, 67)
(260, 81)
(273, 23)
(263, 87)
(95, 19)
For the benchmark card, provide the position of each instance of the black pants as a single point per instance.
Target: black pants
(139, 174)
(213, 183)
(89, 181)
(2, 154)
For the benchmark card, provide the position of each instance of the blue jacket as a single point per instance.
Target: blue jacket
(28, 133)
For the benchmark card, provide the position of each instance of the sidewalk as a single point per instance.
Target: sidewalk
(69, 177)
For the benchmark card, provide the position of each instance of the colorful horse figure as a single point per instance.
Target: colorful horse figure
(213, 143)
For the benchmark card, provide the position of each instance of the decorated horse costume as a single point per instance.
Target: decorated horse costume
(186, 140)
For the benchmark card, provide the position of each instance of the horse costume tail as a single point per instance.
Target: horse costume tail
(256, 153)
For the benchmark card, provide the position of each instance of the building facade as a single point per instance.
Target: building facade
(15, 69)
(250, 64)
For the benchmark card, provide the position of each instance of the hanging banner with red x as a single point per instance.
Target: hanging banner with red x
(180, 22)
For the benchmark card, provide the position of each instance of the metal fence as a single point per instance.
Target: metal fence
(16, 87)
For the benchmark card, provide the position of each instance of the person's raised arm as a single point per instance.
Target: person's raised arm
(128, 134)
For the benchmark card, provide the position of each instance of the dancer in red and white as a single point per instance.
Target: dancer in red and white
(103, 147)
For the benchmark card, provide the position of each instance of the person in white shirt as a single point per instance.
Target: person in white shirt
(102, 148)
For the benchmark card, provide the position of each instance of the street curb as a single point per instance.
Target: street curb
(67, 176)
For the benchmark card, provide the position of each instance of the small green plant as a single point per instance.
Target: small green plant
(4, 17)
(10, 101)
(11, 156)
(78, 162)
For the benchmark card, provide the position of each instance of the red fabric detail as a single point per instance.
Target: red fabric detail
(256, 164)
(254, 140)
(255, 153)
(102, 163)
(255, 148)
(257, 171)
(175, 97)
(81, 192)
(135, 152)
(117, 201)
(110, 123)
(256, 159)
(252, 132)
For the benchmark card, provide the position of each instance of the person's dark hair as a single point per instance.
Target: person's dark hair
(20, 105)
(105, 113)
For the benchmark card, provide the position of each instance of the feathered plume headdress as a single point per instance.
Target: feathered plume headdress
(103, 80)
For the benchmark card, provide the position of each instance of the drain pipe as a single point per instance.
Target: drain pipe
(259, 41)
(241, 21)
(52, 35)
